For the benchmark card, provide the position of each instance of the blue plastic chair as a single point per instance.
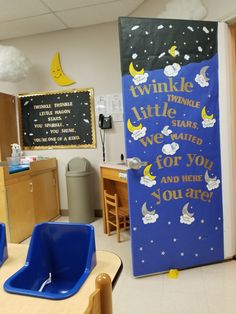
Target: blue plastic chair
(3, 244)
(59, 260)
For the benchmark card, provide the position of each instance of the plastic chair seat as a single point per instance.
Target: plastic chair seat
(59, 260)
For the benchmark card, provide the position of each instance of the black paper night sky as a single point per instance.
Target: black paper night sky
(195, 38)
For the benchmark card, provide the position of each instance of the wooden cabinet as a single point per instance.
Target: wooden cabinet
(28, 197)
(20, 210)
(46, 208)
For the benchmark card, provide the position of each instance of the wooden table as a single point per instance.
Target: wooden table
(107, 262)
(114, 180)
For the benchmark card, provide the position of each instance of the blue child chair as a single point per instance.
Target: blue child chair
(3, 244)
(59, 260)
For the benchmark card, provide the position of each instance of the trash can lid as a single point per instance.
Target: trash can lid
(78, 174)
(79, 165)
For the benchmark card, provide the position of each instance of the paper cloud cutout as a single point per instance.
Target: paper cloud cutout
(186, 219)
(172, 70)
(145, 180)
(200, 79)
(166, 131)
(170, 149)
(212, 185)
(14, 65)
(208, 123)
(137, 134)
(150, 219)
(140, 78)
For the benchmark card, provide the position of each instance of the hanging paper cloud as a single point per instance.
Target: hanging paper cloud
(14, 65)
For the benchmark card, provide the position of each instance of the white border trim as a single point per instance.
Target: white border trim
(226, 140)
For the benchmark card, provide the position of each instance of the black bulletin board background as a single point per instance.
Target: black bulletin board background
(57, 119)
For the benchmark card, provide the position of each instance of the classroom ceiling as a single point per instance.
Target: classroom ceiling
(20, 18)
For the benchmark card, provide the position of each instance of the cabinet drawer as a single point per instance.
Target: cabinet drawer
(114, 174)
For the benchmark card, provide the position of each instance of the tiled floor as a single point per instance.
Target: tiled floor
(202, 290)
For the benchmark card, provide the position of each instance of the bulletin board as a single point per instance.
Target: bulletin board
(57, 119)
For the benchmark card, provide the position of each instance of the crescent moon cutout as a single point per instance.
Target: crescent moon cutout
(57, 73)
(205, 115)
(186, 212)
(132, 127)
(145, 211)
(172, 51)
(207, 178)
(134, 72)
(146, 172)
(203, 72)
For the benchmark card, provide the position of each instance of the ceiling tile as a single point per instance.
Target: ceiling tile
(28, 26)
(11, 9)
(59, 5)
(97, 14)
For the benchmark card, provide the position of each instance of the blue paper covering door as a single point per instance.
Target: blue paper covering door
(171, 116)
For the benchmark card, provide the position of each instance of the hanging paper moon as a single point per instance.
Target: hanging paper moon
(57, 73)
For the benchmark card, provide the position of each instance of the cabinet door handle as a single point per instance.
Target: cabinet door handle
(31, 187)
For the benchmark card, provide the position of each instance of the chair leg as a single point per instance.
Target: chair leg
(124, 223)
(118, 228)
(108, 227)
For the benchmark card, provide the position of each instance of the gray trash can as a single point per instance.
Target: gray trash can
(79, 190)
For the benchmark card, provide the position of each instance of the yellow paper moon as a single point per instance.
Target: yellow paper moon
(132, 127)
(134, 72)
(172, 51)
(146, 172)
(57, 73)
(205, 115)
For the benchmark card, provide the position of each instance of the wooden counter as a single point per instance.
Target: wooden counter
(114, 180)
(107, 262)
(28, 197)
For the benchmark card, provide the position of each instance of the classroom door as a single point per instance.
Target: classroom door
(171, 116)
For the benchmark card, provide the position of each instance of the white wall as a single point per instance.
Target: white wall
(90, 56)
